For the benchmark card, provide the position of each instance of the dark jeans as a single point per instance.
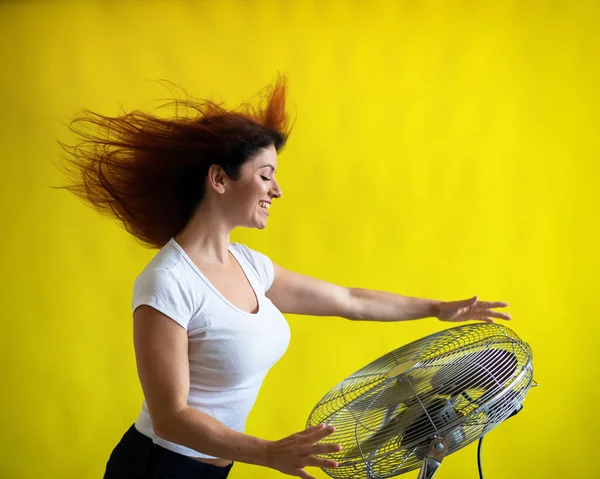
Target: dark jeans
(137, 457)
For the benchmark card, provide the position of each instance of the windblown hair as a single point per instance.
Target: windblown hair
(150, 172)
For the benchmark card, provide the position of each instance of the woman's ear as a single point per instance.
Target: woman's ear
(216, 178)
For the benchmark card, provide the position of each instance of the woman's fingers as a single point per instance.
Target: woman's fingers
(324, 449)
(312, 429)
(292, 454)
(313, 448)
(486, 315)
(316, 449)
(492, 304)
(320, 433)
(498, 314)
(320, 462)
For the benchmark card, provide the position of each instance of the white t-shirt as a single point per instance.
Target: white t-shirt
(230, 350)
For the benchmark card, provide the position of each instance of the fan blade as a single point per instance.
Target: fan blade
(485, 370)
(409, 423)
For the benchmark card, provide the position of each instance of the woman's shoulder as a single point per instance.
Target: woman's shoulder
(168, 257)
(260, 262)
(166, 262)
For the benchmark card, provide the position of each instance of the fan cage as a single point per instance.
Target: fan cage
(458, 383)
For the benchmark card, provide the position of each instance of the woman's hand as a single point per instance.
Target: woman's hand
(471, 309)
(292, 454)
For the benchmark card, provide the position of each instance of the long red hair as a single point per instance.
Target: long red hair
(149, 172)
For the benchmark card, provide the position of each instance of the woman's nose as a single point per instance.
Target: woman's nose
(276, 190)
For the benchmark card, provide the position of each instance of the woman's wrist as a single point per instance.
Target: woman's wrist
(433, 308)
(258, 452)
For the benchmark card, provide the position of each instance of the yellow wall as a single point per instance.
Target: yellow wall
(441, 149)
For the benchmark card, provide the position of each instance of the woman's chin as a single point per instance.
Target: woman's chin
(259, 224)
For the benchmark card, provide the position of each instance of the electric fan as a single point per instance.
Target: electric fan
(415, 405)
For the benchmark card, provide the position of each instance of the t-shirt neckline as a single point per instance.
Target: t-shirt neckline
(213, 287)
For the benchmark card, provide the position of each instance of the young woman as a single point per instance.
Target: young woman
(208, 322)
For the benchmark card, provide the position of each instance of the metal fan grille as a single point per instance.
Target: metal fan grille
(458, 384)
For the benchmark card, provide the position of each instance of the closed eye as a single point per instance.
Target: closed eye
(265, 178)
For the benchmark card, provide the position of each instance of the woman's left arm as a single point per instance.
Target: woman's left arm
(300, 294)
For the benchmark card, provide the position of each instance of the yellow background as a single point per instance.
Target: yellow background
(441, 149)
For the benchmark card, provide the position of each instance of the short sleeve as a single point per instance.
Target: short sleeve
(261, 263)
(162, 290)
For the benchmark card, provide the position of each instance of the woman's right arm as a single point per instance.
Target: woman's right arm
(163, 367)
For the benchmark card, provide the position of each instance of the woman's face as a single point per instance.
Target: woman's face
(256, 188)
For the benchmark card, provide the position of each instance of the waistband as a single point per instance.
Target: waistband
(167, 458)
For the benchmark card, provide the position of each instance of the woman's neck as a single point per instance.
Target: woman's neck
(206, 237)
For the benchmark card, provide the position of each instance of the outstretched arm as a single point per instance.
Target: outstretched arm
(300, 294)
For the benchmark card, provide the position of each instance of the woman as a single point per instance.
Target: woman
(207, 313)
